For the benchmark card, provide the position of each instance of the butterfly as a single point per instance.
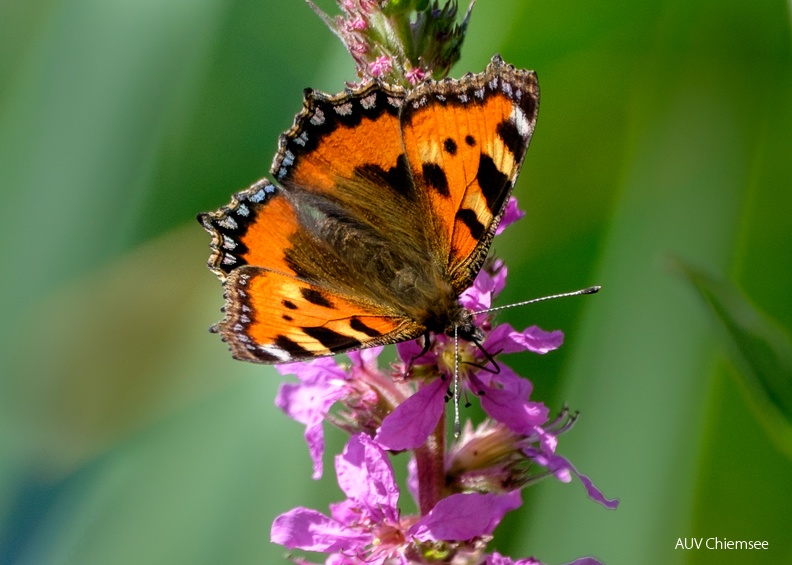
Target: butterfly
(385, 204)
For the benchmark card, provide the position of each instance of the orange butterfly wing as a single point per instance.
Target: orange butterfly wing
(272, 314)
(466, 140)
(388, 207)
(272, 317)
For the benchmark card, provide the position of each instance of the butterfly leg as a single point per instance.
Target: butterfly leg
(426, 347)
(489, 357)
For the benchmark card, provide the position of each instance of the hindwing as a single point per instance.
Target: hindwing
(386, 204)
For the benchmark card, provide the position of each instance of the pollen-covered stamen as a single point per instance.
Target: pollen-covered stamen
(449, 357)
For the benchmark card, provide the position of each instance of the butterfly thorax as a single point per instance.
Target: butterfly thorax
(447, 316)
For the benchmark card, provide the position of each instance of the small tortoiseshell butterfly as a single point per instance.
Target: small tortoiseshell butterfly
(385, 206)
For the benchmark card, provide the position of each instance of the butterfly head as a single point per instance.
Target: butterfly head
(465, 327)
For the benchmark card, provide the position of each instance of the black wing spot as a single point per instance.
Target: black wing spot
(359, 326)
(470, 140)
(267, 357)
(450, 146)
(510, 135)
(315, 297)
(287, 318)
(291, 347)
(469, 218)
(397, 177)
(492, 183)
(289, 304)
(330, 339)
(436, 178)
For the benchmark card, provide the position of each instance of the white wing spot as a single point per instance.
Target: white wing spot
(420, 103)
(228, 223)
(344, 109)
(318, 118)
(276, 352)
(520, 121)
(369, 101)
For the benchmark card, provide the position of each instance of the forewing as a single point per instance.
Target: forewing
(346, 152)
(256, 228)
(465, 142)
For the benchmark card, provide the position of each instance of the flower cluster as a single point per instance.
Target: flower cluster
(399, 41)
(463, 490)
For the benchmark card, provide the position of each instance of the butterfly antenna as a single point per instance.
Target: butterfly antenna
(589, 290)
(457, 427)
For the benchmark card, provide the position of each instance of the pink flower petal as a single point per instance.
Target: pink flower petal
(303, 528)
(408, 426)
(365, 475)
(498, 559)
(506, 339)
(309, 405)
(465, 516)
(561, 467)
(510, 215)
(540, 341)
(409, 352)
(505, 399)
(322, 370)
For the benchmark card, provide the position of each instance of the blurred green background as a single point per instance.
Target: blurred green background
(130, 436)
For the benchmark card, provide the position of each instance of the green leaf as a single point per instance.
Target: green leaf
(759, 348)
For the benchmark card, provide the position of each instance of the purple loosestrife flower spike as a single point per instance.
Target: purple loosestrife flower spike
(463, 494)
(400, 41)
(368, 527)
